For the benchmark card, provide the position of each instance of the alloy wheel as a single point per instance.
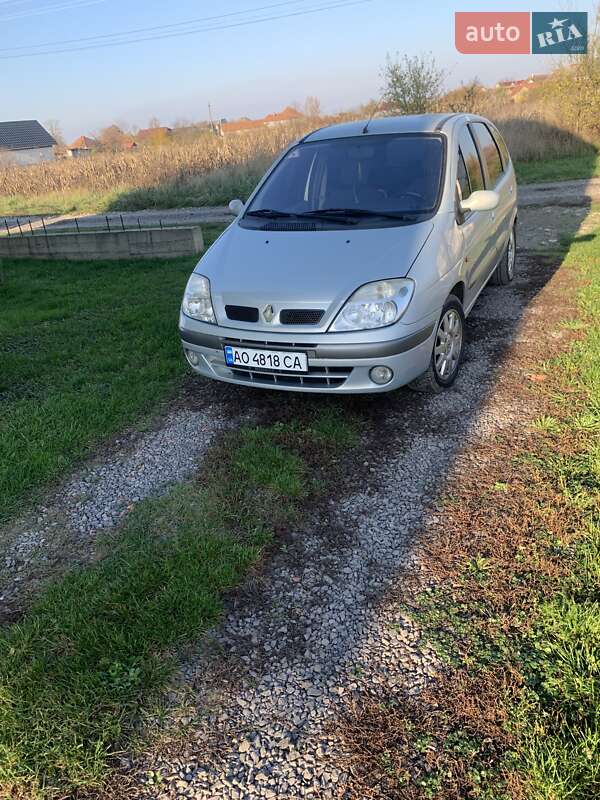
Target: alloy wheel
(448, 344)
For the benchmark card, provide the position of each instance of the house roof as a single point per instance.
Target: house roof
(83, 143)
(241, 125)
(288, 113)
(24, 135)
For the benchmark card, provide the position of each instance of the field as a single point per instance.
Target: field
(212, 171)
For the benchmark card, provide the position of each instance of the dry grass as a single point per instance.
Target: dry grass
(150, 166)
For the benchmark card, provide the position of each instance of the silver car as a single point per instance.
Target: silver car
(355, 261)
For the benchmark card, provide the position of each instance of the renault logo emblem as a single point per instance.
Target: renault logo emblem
(268, 313)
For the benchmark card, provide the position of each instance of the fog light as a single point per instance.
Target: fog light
(192, 357)
(381, 375)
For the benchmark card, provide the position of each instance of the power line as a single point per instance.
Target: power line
(118, 34)
(326, 7)
(66, 5)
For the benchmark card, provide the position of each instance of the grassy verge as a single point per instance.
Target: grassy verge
(99, 645)
(86, 349)
(509, 600)
(559, 169)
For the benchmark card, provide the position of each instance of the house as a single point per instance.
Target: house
(288, 114)
(284, 117)
(241, 125)
(82, 147)
(25, 142)
(522, 86)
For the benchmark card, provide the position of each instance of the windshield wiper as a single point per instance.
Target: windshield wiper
(362, 212)
(271, 213)
(268, 212)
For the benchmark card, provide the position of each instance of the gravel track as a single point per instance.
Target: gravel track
(99, 496)
(260, 700)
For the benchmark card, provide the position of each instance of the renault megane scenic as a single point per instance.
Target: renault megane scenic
(353, 265)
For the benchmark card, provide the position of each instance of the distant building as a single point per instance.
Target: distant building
(25, 142)
(517, 87)
(284, 117)
(82, 147)
(288, 114)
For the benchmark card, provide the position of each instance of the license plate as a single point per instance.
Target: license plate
(265, 359)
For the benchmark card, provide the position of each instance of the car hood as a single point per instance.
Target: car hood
(304, 269)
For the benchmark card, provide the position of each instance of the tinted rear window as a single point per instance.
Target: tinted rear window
(469, 152)
(489, 151)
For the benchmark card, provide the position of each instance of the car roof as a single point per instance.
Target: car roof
(410, 123)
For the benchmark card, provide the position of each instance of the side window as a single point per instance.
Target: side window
(471, 160)
(462, 178)
(501, 146)
(489, 151)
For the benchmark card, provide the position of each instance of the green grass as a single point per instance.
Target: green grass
(560, 712)
(559, 169)
(98, 646)
(86, 349)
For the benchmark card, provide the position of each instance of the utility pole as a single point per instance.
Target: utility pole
(212, 127)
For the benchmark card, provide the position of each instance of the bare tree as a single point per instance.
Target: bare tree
(312, 106)
(154, 122)
(54, 129)
(413, 84)
(112, 138)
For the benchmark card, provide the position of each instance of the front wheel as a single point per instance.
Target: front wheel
(447, 350)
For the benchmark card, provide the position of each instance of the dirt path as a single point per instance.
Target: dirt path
(566, 194)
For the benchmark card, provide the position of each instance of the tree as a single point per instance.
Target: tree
(413, 84)
(54, 129)
(154, 122)
(112, 138)
(312, 106)
(467, 99)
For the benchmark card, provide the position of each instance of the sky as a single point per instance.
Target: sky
(336, 53)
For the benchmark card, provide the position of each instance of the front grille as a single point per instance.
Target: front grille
(301, 316)
(316, 376)
(242, 313)
(263, 343)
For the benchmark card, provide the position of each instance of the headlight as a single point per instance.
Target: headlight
(196, 299)
(375, 305)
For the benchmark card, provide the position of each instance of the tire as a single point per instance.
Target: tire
(436, 377)
(505, 271)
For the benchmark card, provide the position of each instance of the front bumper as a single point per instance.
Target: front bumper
(333, 367)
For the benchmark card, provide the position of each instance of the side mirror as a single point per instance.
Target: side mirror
(484, 200)
(236, 207)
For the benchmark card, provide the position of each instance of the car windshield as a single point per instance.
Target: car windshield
(358, 178)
